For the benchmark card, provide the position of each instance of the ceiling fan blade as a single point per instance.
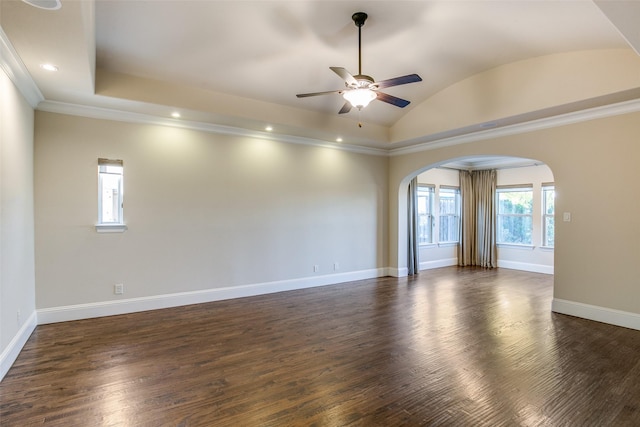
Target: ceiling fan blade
(305, 95)
(345, 108)
(403, 80)
(393, 100)
(345, 75)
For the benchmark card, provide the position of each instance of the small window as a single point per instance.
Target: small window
(515, 215)
(425, 214)
(449, 201)
(110, 186)
(548, 212)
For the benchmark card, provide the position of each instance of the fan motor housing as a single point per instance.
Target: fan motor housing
(364, 80)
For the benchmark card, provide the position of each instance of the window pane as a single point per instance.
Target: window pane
(549, 197)
(549, 231)
(515, 216)
(110, 198)
(110, 169)
(548, 200)
(449, 228)
(514, 229)
(422, 204)
(110, 194)
(424, 229)
(447, 203)
(515, 202)
(449, 211)
(425, 214)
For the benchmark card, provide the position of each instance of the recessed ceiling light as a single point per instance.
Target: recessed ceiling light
(338, 139)
(49, 67)
(268, 128)
(45, 4)
(175, 115)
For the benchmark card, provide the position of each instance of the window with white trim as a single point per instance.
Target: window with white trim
(425, 214)
(515, 215)
(110, 185)
(548, 212)
(449, 212)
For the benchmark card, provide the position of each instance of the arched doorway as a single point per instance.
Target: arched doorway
(525, 239)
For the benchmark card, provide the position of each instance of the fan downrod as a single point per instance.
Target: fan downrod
(359, 18)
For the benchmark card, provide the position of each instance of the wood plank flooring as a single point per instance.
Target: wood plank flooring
(450, 347)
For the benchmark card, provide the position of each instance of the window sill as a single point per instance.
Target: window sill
(547, 248)
(427, 245)
(111, 228)
(447, 244)
(516, 246)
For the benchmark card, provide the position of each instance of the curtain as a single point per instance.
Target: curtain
(413, 262)
(466, 248)
(478, 221)
(484, 184)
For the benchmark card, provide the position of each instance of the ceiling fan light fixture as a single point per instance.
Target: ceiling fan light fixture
(359, 98)
(360, 88)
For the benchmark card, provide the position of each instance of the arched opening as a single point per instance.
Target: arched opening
(525, 213)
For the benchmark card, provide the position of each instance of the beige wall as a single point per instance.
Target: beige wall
(596, 176)
(17, 282)
(206, 211)
(203, 210)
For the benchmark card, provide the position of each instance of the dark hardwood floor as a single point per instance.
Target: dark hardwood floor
(451, 347)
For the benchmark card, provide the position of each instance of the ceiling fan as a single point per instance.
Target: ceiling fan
(361, 89)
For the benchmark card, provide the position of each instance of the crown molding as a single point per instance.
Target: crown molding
(616, 109)
(13, 66)
(133, 117)
(620, 108)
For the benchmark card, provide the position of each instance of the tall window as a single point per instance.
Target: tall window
(515, 215)
(425, 213)
(110, 209)
(449, 201)
(548, 211)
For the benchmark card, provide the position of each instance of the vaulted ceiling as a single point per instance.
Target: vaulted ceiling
(238, 64)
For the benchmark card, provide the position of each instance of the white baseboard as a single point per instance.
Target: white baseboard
(397, 272)
(594, 312)
(525, 266)
(132, 305)
(11, 352)
(448, 262)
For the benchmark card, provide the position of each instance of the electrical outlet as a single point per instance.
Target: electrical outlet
(316, 268)
(336, 266)
(118, 289)
(19, 318)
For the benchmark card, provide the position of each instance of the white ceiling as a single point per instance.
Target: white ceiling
(270, 50)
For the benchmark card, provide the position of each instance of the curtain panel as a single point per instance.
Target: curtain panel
(478, 222)
(413, 261)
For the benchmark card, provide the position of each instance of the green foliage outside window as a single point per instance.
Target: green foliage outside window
(515, 216)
